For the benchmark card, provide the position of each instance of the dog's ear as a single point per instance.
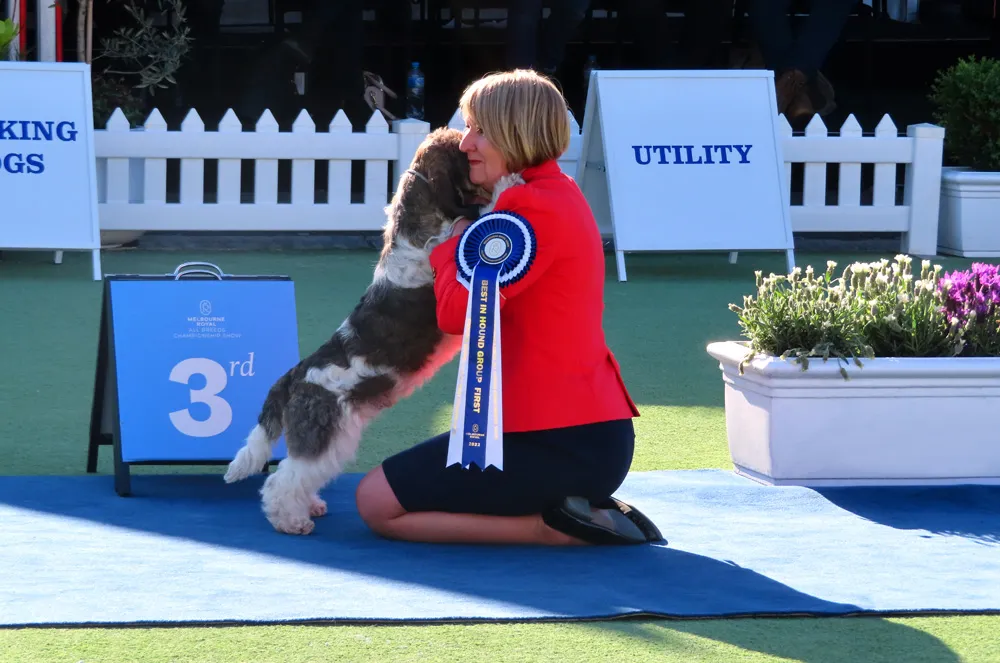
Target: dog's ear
(448, 167)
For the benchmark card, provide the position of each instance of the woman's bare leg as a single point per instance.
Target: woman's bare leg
(383, 513)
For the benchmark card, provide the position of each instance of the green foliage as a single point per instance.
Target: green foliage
(871, 310)
(8, 33)
(111, 93)
(146, 52)
(141, 58)
(903, 316)
(966, 97)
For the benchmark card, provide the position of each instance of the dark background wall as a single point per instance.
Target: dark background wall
(879, 65)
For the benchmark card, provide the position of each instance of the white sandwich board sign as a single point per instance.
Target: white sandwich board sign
(48, 171)
(685, 161)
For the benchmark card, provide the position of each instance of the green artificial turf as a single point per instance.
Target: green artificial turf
(658, 324)
(854, 640)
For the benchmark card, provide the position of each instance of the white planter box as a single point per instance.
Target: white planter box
(896, 421)
(969, 222)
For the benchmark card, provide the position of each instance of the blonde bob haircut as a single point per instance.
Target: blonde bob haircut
(522, 114)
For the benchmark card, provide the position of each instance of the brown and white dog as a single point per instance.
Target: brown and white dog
(388, 346)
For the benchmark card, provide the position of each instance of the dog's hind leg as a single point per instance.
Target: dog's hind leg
(291, 494)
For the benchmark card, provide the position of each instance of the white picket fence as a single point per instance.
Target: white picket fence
(132, 175)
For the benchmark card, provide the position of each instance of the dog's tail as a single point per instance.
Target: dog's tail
(252, 457)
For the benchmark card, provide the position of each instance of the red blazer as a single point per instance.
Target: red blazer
(557, 368)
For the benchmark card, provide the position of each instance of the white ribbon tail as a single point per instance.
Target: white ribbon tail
(494, 436)
(455, 440)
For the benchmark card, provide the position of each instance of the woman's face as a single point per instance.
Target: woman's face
(486, 165)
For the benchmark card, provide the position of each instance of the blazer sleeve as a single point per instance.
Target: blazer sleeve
(453, 297)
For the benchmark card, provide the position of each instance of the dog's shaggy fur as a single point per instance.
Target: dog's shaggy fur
(387, 347)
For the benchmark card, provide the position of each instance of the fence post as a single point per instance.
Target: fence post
(922, 189)
(411, 133)
(118, 176)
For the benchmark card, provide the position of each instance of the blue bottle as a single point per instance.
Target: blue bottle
(415, 92)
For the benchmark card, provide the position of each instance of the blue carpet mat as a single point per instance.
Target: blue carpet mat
(190, 549)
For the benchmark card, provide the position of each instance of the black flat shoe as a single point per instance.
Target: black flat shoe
(616, 523)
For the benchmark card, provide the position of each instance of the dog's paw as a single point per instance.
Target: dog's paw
(317, 507)
(240, 467)
(295, 526)
(233, 474)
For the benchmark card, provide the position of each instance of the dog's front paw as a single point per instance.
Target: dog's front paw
(317, 507)
(295, 526)
(234, 473)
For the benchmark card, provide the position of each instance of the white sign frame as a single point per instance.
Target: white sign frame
(86, 231)
(601, 190)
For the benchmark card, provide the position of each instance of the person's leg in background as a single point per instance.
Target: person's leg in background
(197, 77)
(534, 43)
(564, 19)
(646, 22)
(707, 24)
(772, 30)
(819, 34)
(344, 30)
(796, 60)
(523, 20)
(340, 22)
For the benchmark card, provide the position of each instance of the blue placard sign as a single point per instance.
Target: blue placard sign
(187, 364)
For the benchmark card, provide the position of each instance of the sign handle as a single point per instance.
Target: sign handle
(182, 270)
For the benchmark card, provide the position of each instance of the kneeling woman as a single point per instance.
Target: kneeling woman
(567, 417)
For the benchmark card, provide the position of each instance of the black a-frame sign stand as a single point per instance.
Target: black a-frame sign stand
(105, 422)
(105, 428)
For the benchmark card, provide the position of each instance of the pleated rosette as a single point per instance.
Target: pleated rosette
(496, 250)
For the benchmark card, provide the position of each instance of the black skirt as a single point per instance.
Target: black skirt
(541, 468)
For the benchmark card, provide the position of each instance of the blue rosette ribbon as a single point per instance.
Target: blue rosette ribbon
(496, 250)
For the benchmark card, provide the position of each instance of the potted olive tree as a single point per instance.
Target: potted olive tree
(966, 97)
